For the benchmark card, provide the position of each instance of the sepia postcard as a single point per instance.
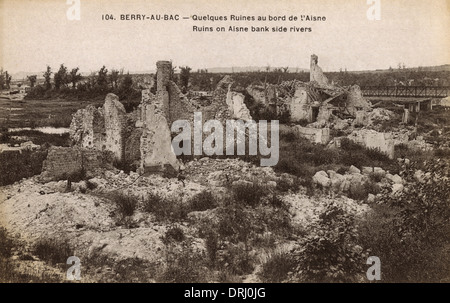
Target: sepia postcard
(194, 141)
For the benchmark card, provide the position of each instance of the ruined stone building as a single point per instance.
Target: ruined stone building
(312, 101)
(143, 139)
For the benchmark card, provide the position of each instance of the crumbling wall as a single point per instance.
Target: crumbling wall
(356, 101)
(101, 128)
(236, 105)
(64, 162)
(115, 126)
(266, 95)
(179, 107)
(133, 147)
(316, 73)
(156, 143)
(163, 76)
(87, 128)
(300, 105)
(219, 99)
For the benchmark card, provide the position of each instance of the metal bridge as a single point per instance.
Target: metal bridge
(406, 91)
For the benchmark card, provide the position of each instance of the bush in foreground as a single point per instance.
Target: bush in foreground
(53, 251)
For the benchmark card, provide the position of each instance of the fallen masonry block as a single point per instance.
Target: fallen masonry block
(376, 140)
(315, 135)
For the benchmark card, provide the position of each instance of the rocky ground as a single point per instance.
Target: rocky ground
(89, 222)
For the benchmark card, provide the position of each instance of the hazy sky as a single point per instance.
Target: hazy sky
(34, 34)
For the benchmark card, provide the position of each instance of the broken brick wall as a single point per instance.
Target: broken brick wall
(64, 162)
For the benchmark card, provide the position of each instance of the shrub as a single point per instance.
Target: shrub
(53, 251)
(276, 269)
(249, 194)
(6, 244)
(11, 273)
(175, 233)
(409, 232)
(358, 155)
(375, 177)
(234, 224)
(152, 202)
(377, 155)
(165, 208)
(276, 201)
(441, 152)
(16, 166)
(288, 136)
(185, 266)
(330, 253)
(202, 201)
(126, 204)
(212, 246)
(278, 221)
(90, 185)
(285, 184)
(238, 259)
(357, 191)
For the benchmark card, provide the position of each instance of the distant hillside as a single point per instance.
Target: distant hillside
(241, 69)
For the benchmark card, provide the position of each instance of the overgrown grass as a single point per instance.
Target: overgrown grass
(249, 194)
(203, 201)
(165, 208)
(277, 267)
(53, 251)
(126, 203)
(358, 155)
(172, 208)
(185, 266)
(10, 272)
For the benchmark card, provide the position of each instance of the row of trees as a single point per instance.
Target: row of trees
(64, 78)
(69, 83)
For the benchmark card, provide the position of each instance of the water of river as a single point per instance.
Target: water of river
(45, 129)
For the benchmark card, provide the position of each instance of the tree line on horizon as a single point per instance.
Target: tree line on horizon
(70, 84)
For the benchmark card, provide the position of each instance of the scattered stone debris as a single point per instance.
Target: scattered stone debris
(21, 147)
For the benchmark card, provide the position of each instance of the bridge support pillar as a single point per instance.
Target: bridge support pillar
(405, 117)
